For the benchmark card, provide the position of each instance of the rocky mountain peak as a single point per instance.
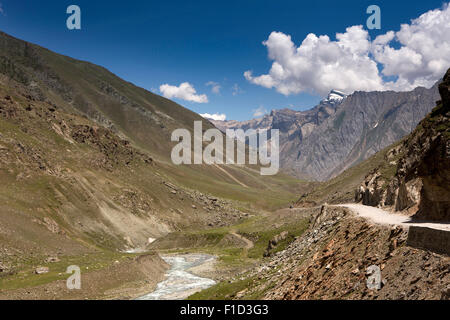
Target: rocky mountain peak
(342, 130)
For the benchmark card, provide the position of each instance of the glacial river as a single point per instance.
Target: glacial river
(180, 283)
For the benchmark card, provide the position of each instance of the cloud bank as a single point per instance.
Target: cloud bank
(352, 61)
(216, 116)
(185, 92)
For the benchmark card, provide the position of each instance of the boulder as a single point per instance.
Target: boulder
(42, 270)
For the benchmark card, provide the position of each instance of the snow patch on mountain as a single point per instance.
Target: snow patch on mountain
(335, 96)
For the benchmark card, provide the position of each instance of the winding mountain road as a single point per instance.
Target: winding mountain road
(248, 243)
(380, 216)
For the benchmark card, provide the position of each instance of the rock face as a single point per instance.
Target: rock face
(3, 268)
(342, 130)
(274, 242)
(42, 270)
(421, 183)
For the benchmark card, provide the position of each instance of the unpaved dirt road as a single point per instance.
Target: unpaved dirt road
(248, 243)
(381, 216)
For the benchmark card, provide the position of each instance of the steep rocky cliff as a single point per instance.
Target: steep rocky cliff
(421, 183)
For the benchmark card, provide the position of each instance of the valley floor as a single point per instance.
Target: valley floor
(298, 253)
(132, 274)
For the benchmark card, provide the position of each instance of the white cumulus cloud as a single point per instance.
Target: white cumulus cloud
(185, 92)
(352, 61)
(424, 54)
(216, 116)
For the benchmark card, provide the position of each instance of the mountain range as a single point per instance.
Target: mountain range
(341, 131)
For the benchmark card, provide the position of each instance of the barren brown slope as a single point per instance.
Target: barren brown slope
(82, 183)
(71, 187)
(331, 261)
(144, 119)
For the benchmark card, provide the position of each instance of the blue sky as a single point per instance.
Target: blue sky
(152, 43)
